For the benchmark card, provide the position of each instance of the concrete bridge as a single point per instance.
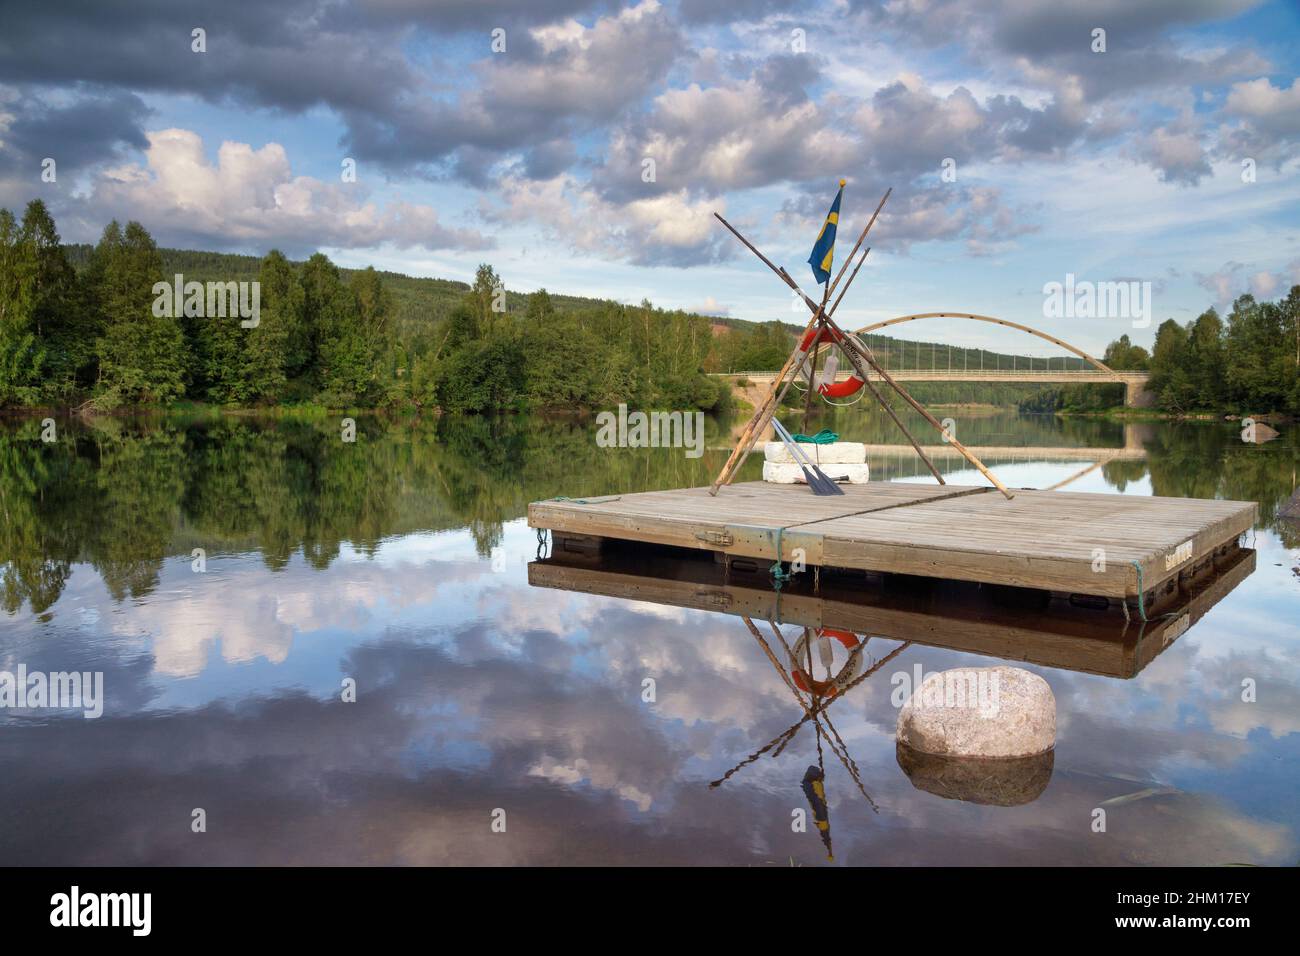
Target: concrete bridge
(1135, 390)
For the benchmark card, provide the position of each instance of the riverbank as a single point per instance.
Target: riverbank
(1128, 414)
(186, 410)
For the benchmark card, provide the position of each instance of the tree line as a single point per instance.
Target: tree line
(1247, 364)
(92, 336)
(78, 328)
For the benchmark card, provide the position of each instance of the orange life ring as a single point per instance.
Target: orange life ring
(844, 389)
(826, 688)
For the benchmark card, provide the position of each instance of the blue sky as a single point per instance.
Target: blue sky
(1117, 164)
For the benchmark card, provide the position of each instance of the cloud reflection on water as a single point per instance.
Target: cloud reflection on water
(477, 691)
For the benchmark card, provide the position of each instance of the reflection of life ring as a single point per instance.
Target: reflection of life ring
(826, 688)
(843, 389)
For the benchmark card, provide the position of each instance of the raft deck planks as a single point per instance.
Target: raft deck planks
(1038, 539)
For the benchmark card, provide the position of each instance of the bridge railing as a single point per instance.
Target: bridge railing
(1091, 374)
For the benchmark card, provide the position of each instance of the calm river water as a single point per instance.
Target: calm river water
(231, 578)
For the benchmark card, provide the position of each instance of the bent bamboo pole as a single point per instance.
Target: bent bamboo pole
(856, 346)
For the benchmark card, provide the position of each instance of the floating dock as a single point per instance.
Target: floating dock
(1117, 547)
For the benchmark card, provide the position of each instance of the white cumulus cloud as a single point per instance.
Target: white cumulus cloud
(251, 195)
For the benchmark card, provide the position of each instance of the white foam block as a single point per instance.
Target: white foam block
(836, 453)
(781, 473)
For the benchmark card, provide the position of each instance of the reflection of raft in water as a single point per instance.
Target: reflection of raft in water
(956, 615)
(1103, 547)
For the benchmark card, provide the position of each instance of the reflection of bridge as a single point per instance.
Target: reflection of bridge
(1133, 449)
(1010, 454)
(1037, 370)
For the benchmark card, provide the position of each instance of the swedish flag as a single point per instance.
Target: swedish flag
(814, 788)
(824, 248)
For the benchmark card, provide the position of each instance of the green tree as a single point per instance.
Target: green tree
(320, 283)
(540, 308)
(1123, 355)
(481, 379)
(1170, 379)
(1205, 358)
(1257, 359)
(267, 354)
(1290, 309)
(58, 318)
(375, 308)
(142, 355)
(22, 359)
(345, 362)
(488, 290)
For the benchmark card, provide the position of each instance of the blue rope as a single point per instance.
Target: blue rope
(779, 574)
(1142, 607)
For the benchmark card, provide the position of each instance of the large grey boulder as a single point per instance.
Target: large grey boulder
(1260, 434)
(980, 712)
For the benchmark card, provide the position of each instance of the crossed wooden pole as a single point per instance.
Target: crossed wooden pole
(859, 356)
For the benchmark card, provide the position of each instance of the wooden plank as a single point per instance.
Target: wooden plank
(1040, 539)
(748, 515)
(1051, 540)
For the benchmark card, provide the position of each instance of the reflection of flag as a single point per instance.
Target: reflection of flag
(824, 248)
(814, 789)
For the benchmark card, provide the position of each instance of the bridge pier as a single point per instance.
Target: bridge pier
(1137, 395)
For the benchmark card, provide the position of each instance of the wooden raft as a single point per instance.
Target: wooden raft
(1047, 540)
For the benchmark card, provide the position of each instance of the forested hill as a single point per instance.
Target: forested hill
(418, 302)
(415, 299)
(84, 327)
